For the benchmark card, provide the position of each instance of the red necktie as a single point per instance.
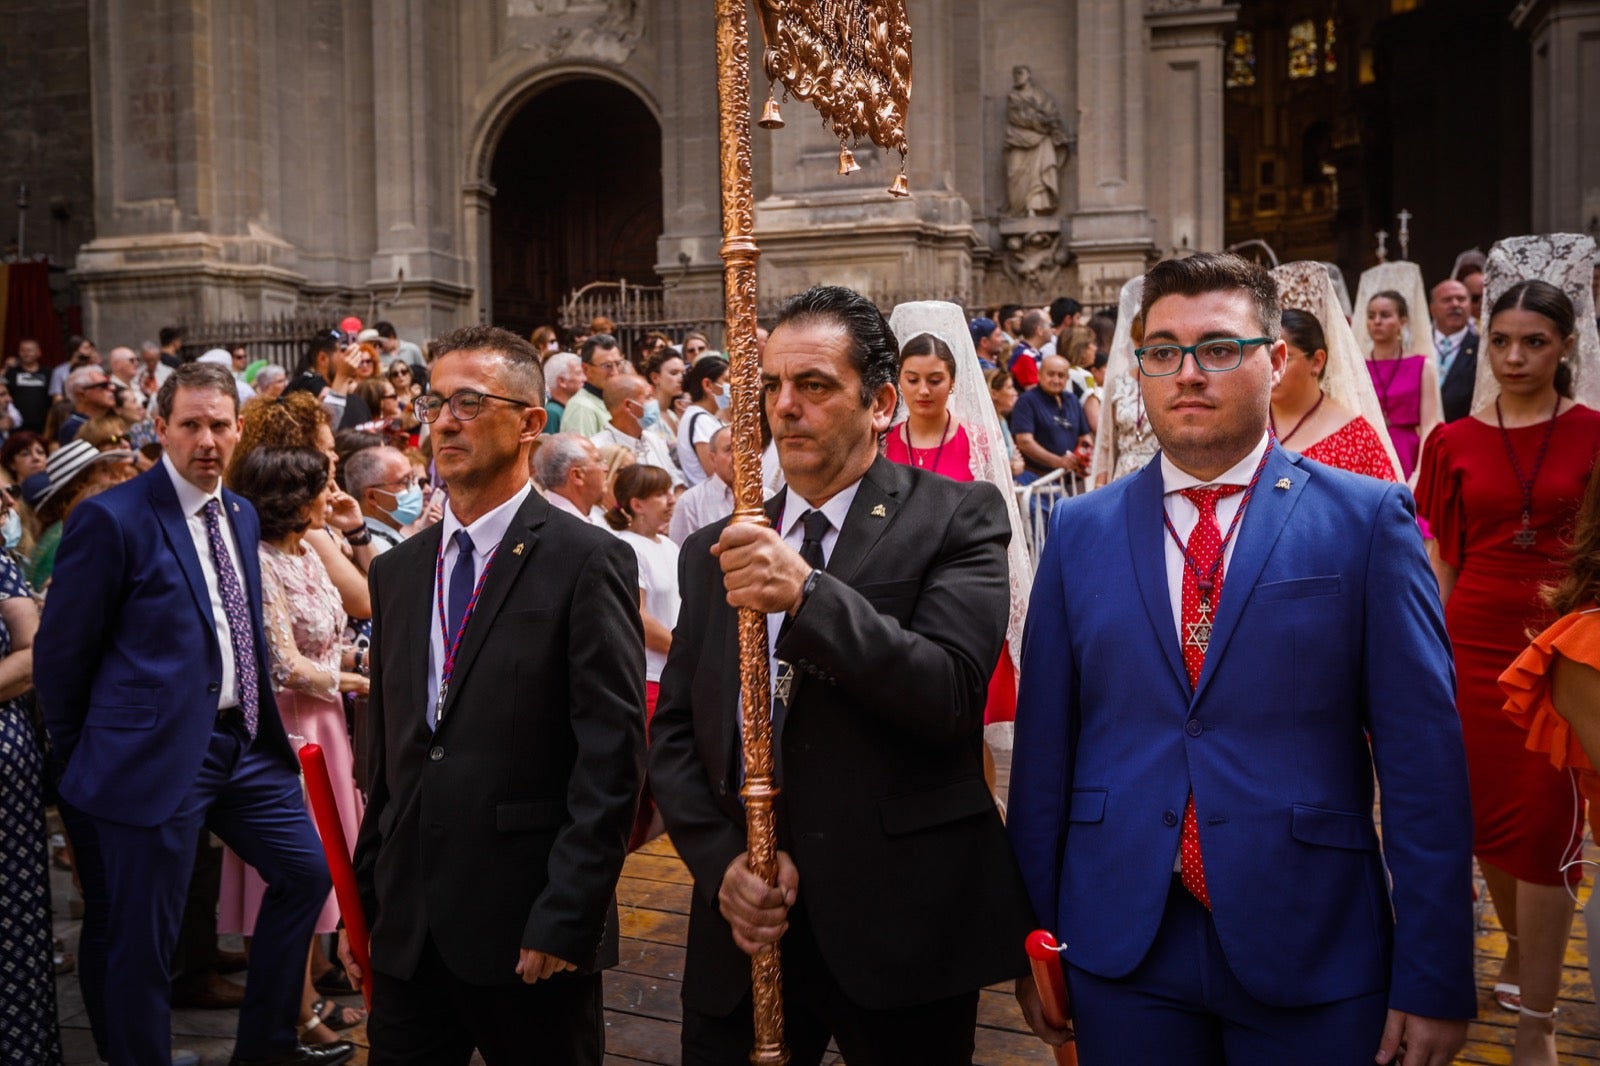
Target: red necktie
(1203, 549)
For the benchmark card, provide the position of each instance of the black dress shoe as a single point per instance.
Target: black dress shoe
(320, 1055)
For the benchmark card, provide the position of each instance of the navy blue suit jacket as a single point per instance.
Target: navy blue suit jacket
(127, 661)
(1329, 630)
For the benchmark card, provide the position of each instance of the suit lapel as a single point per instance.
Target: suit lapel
(175, 527)
(1262, 522)
(415, 616)
(513, 551)
(871, 513)
(1147, 532)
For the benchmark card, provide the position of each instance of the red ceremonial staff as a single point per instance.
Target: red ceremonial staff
(319, 789)
(853, 62)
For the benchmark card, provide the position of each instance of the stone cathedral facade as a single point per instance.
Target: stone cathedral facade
(452, 161)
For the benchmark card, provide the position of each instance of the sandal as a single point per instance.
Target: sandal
(337, 1016)
(334, 982)
(305, 1029)
(1509, 996)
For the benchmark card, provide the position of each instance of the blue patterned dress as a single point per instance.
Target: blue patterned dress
(28, 1031)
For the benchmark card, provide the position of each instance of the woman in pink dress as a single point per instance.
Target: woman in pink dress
(304, 619)
(1408, 385)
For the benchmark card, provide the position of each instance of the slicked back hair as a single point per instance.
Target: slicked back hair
(874, 352)
(1214, 272)
(521, 372)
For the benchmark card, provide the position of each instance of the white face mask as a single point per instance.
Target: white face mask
(724, 398)
(11, 529)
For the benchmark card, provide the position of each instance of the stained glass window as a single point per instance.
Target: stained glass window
(1330, 57)
(1241, 60)
(1303, 58)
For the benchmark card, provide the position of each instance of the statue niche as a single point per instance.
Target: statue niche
(1037, 145)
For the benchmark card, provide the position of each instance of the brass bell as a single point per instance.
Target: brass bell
(900, 186)
(847, 161)
(771, 117)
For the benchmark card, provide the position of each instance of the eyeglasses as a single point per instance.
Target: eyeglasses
(1213, 356)
(98, 385)
(694, 349)
(400, 372)
(610, 366)
(464, 405)
(404, 483)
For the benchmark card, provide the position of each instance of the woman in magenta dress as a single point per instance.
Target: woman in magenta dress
(1408, 385)
(304, 620)
(1500, 491)
(1312, 423)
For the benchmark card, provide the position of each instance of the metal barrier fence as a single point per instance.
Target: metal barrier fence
(1036, 501)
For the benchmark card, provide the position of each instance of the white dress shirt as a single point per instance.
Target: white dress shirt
(647, 448)
(595, 517)
(1185, 516)
(486, 533)
(794, 535)
(702, 505)
(192, 501)
(1455, 341)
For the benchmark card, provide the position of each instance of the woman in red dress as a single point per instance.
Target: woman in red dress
(1500, 491)
(1307, 420)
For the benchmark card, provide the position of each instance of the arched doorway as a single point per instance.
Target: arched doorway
(577, 175)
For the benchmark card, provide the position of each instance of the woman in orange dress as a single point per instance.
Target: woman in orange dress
(1553, 692)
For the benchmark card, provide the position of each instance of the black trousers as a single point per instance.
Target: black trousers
(436, 1019)
(815, 1008)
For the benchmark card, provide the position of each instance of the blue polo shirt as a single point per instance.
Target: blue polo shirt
(1055, 422)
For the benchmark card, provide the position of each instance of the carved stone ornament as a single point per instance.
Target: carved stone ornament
(1033, 257)
(608, 31)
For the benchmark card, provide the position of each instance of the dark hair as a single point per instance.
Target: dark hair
(385, 329)
(18, 442)
(169, 334)
(873, 350)
(595, 342)
(1301, 329)
(1005, 312)
(348, 442)
(1061, 307)
(1549, 302)
(1214, 272)
(1104, 325)
(1033, 322)
(659, 360)
(637, 482)
(707, 369)
(523, 374)
(324, 343)
(196, 376)
(281, 483)
(371, 392)
(927, 344)
(1393, 297)
(1580, 586)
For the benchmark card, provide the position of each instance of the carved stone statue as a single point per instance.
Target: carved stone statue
(1036, 137)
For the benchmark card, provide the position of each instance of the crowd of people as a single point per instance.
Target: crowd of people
(479, 575)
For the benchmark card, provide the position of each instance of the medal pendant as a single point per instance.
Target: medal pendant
(1199, 633)
(1524, 537)
(782, 684)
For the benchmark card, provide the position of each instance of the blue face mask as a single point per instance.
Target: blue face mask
(723, 397)
(652, 413)
(11, 529)
(407, 506)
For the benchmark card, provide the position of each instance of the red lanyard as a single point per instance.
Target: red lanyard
(447, 668)
(1206, 581)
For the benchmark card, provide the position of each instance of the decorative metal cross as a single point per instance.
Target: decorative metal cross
(1405, 218)
(1199, 635)
(1383, 245)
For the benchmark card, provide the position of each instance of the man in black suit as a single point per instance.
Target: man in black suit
(1456, 340)
(885, 591)
(506, 732)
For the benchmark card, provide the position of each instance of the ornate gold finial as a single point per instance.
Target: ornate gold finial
(847, 160)
(771, 117)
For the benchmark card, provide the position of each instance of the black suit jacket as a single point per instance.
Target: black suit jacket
(1456, 389)
(507, 827)
(906, 878)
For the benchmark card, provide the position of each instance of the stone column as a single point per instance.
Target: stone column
(1184, 137)
(1565, 42)
(687, 255)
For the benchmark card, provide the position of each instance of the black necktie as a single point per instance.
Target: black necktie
(816, 526)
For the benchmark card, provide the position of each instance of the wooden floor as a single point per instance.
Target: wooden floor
(642, 1005)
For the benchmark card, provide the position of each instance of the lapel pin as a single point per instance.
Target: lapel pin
(235, 508)
(518, 549)
(879, 512)
(1283, 483)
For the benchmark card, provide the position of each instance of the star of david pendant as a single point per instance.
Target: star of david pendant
(1524, 537)
(782, 684)
(1200, 632)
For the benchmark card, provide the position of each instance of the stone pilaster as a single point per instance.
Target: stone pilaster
(1565, 43)
(1185, 138)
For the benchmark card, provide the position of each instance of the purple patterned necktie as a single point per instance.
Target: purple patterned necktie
(237, 608)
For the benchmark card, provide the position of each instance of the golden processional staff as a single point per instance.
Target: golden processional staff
(852, 60)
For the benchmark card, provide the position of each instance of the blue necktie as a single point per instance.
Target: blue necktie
(462, 580)
(237, 610)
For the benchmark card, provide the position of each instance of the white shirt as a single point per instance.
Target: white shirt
(658, 580)
(192, 502)
(1455, 341)
(702, 505)
(595, 517)
(647, 448)
(486, 533)
(794, 535)
(703, 425)
(1185, 516)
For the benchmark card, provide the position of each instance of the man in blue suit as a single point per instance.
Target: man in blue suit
(151, 668)
(1199, 724)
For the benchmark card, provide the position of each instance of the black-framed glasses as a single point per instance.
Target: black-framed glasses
(464, 405)
(1213, 356)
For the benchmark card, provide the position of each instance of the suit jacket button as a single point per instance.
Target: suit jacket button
(1193, 727)
(722, 788)
(435, 753)
(214, 688)
(1169, 818)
